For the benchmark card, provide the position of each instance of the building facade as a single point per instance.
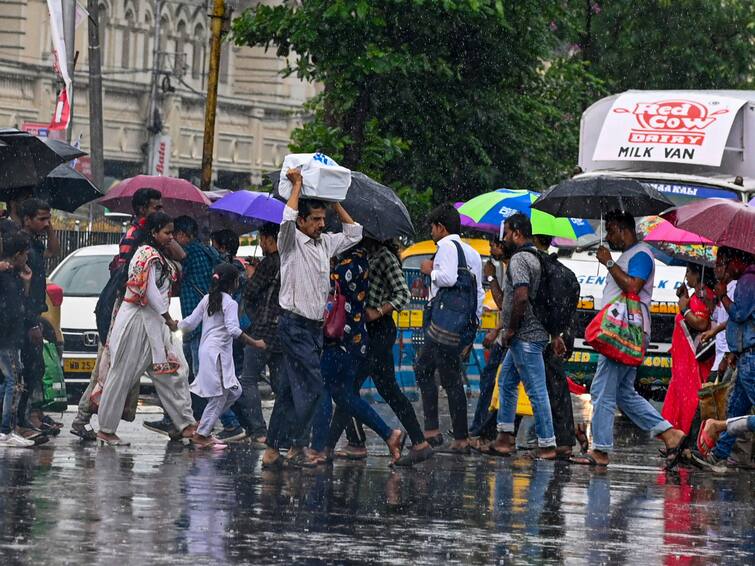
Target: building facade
(257, 108)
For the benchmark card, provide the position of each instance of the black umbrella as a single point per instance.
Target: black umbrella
(374, 206)
(593, 197)
(67, 189)
(25, 160)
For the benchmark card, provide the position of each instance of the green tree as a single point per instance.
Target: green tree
(455, 97)
(666, 44)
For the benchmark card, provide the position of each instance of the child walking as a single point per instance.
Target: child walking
(216, 379)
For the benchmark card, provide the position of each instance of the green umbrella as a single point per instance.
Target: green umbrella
(494, 207)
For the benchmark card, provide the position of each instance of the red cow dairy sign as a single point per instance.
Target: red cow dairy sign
(683, 127)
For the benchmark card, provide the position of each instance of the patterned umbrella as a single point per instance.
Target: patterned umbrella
(491, 209)
(679, 244)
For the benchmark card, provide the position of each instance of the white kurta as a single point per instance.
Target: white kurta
(216, 369)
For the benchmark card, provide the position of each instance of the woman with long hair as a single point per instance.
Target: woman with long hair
(687, 373)
(141, 341)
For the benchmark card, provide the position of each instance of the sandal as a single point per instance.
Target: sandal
(493, 451)
(414, 457)
(276, 464)
(112, 441)
(300, 460)
(436, 440)
(49, 421)
(705, 443)
(83, 432)
(673, 455)
(587, 459)
(165, 368)
(346, 454)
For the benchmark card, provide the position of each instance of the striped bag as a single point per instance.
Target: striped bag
(617, 332)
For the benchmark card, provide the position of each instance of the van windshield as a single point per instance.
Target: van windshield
(83, 276)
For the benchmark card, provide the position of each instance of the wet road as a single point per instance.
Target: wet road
(161, 503)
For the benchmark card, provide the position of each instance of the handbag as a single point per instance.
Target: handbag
(617, 330)
(54, 385)
(705, 351)
(335, 314)
(453, 311)
(713, 398)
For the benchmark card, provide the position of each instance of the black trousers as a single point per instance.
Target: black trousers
(380, 367)
(560, 398)
(447, 363)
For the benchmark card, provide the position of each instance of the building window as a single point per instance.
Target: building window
(148, 32)
(179, 66)
(126, 46)
(198, 51)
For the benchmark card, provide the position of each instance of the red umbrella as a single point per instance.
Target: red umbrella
(179, 196)
(723, 221)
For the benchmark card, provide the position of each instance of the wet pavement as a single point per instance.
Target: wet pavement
(162, 503)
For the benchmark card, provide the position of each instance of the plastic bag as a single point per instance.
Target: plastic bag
(617, 331)
(322, 177)
(54, 385)
(523, 405)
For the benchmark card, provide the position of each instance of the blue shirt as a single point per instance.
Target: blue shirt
(640, 266)
(740, 330)
(198, 264)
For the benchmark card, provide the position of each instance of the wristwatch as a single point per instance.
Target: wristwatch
(610, 263)
(490, 278)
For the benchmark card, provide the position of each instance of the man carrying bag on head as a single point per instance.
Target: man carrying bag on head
(456, 297)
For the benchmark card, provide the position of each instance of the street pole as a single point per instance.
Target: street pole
(69, 36)
(218, 13)
(96, 146)
(151, 118)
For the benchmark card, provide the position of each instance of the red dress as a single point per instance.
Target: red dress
(687, 374)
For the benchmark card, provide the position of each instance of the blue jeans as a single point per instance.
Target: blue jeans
(340, 369)
(487, 385)
(612, 386)
(741, 401)
(10, 368)
(524, 362)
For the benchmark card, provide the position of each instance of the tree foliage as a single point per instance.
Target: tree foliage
(445, 99)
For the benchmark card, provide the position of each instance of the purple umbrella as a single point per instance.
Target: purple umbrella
(248, 209)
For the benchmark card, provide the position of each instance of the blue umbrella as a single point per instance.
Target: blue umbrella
(249, 208)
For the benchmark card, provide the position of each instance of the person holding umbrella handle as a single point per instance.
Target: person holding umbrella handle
(613, 384)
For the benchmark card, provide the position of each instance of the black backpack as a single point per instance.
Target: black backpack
(556, 300)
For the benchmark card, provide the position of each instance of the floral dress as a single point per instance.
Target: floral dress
(351, 274)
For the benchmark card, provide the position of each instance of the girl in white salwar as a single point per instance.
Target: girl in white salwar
(141, 341)
(216, 379)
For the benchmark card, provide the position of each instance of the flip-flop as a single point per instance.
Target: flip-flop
(492, 451)
(346, 455)
(414, 457)
(673, 455)
(705, 443)
(587, 459)
(276, 464)
(436, 440)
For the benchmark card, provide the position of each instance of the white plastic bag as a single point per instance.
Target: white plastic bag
(322, 177)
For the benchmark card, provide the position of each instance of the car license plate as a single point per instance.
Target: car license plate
(78, 365)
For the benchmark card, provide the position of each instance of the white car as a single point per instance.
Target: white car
(83, 275)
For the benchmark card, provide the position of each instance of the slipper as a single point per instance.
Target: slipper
(347, 455)
(493, 451)
(705, 443)
(587, 459)
(414, 457)
(435, 441)
(301, 461)
(276, 464)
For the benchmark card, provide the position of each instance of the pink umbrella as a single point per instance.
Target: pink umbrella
(725, 222)
(179, 196)
(667, 233)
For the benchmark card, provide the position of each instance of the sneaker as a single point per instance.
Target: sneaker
(13, 440)
(160, 427)
(709, 462)
(232, 434)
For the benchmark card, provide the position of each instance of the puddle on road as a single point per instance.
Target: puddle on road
(163, 503)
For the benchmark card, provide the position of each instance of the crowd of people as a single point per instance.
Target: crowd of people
(315, 315)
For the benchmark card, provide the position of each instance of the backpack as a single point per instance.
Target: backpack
(453, 311)
(557, 296)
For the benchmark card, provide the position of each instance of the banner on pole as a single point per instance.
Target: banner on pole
(161, 155)
(62, 114)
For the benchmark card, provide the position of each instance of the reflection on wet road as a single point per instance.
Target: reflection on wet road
(158, 502)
